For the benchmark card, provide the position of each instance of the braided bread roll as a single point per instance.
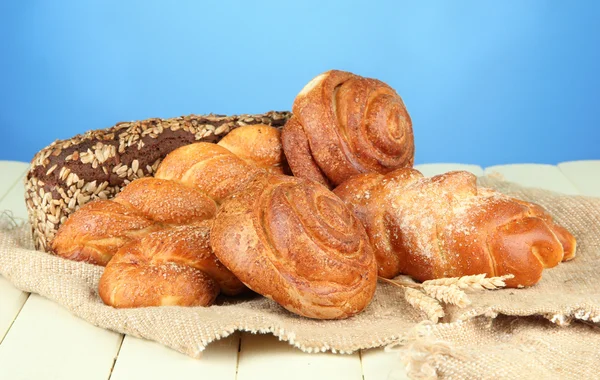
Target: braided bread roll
(295, 242)
(343, 125)
(447, 226)
(153, 236)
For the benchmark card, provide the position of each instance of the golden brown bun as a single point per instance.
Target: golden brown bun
(167, 202)
(172, 266)
(258, 145)
(295, 242)
(344, 125)
(447, 226)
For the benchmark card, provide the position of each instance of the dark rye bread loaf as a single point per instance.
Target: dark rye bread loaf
(69, 173)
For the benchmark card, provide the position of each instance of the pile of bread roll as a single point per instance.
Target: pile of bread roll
(308, 215)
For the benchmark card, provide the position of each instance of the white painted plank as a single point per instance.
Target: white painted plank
(12, 199)
(263, 356)
(429, 170)
(11, 302)
(48, 342)
(380, 365)
(143, 359)
(585, 175)
(549, 177)
(10, 172)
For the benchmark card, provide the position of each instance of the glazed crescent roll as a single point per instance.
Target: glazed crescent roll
(295, 242)
(153, 239)
(447, 226)
(343, 125)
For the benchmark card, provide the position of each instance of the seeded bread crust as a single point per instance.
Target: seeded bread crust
(96, 165)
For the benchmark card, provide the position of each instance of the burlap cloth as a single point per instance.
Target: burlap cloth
(504, 347)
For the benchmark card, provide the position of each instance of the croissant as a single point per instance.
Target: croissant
(447, 226)
(153, 237)
(295, 242)
(343, 125)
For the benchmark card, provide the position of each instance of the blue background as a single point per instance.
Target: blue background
(485, 82)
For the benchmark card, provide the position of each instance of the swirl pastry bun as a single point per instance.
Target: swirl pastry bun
(343, 125)
(295, 242)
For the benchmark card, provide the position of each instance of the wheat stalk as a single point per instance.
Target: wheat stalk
(474, 282)
(423, 302)
(429, 295)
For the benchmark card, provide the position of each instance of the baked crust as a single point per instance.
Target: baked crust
(344, 125)
(447, 226)
(295, 242)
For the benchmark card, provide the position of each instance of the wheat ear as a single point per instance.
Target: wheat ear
(447, 294)
(428, 295)
(423, 302)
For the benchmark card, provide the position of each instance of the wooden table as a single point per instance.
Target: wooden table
(41, 340)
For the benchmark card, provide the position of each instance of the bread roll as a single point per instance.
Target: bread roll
(447, 226)
(295, 242)
(153, 237)
(344, 125)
